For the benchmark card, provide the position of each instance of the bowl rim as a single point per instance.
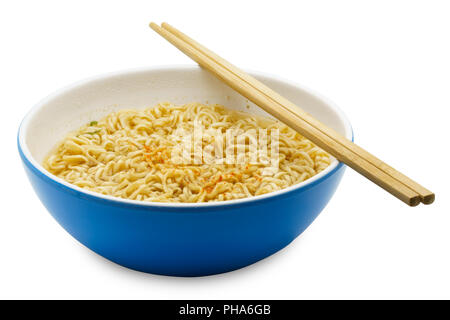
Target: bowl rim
(29, 160)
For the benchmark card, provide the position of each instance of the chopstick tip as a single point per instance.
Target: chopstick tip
(429, 198)
(414, 201)
(153, 25)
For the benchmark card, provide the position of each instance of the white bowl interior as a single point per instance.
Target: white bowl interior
(92, 99)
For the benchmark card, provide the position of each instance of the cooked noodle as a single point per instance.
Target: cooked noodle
(128, 155)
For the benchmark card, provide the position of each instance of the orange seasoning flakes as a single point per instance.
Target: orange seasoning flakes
(159, 155)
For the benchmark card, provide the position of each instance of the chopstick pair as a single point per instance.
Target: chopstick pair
(326, 138)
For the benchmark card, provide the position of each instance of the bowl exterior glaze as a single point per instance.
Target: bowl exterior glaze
(184, 241)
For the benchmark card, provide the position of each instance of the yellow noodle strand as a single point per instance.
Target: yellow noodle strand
(127, 155)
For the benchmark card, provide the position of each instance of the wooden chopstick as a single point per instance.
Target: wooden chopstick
(427, 196)
(269, 101)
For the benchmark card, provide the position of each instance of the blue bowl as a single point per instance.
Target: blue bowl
(172, 239)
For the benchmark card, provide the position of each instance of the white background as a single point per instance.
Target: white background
(385, 63)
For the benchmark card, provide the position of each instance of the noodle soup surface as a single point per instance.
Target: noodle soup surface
(156, 154)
